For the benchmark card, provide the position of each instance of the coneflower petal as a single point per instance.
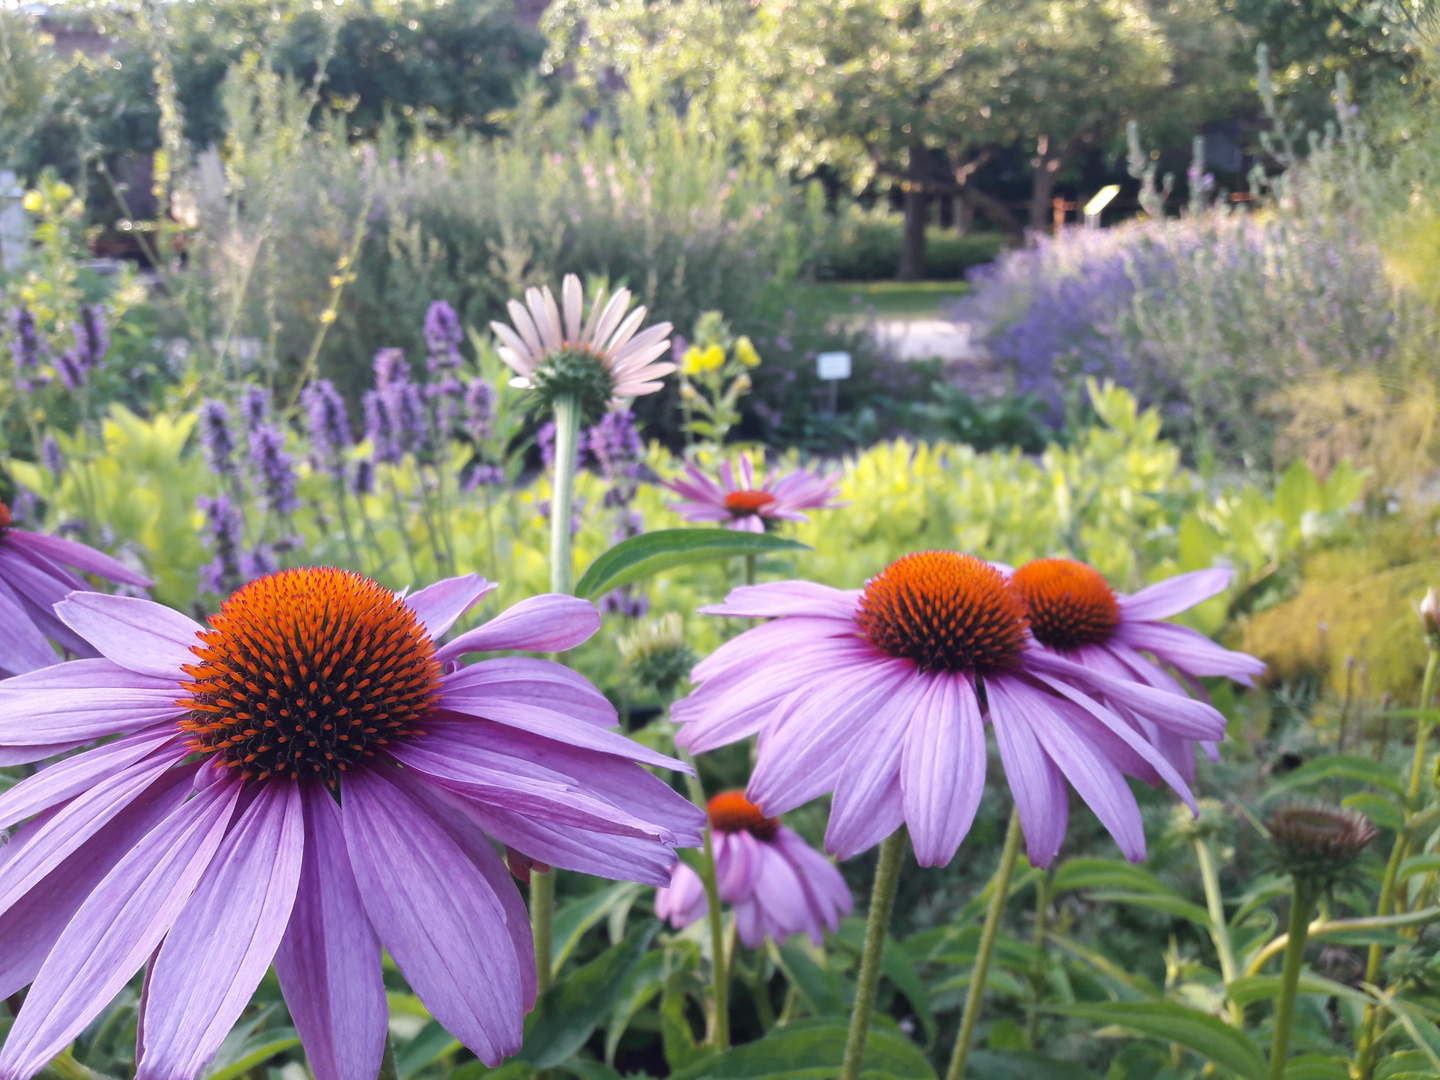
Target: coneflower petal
(116, 930)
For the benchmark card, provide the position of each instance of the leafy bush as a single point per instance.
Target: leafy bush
(1205, 317)
(865, 246)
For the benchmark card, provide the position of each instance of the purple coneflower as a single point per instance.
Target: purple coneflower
(36, 571)
(599, 361)
(876, 694)
(778, 884)
(741, 502)
(1073, 611)
(310, 779)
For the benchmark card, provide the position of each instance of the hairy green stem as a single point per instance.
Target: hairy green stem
(1219, 927)
(562, 494)
(882, 899)
(1037, 973)
(64, 1067)
(718, 1015)
(562, 502)
(1302, 906)
(1000, 886)
(1397, 856)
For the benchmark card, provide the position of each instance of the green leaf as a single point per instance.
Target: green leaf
(1252, 988)
(1338, 767)
(640, 556)
(585, 1069)
(1108, 874)
(1403, 1066)
(821, 989)
(1422, 1032)
(1208, 1036)
(236, 1060)
(813, 1050)
(1316, 1067)
(432, 1044)
(681, 1050)
(567, 1013)
(578, 916)
(643, 983)
(1419, 864)
(1170, 905)
(1021, 1065)
(1377, 808)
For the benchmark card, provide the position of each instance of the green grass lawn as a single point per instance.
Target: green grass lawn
(895, 299)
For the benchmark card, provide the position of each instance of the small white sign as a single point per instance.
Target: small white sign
(833, 365)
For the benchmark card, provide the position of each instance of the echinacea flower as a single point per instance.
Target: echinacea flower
(778, 884)
(746, 503)
(310, 779)
(1074, 612)
(599, 361)
(875, 694)
(35, 572)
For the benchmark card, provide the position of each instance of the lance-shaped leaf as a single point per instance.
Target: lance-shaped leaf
(641, 556)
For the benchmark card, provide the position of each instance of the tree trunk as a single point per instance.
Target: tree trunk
(1042, 191)
(912, 246)
(995, 211)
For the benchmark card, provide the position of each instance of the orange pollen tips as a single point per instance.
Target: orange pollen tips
(730, 811)
(945, 611)
(305, 672)
(741, 503)
(1070, 603)
(5, 519)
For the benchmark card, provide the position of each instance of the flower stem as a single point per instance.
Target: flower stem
(1037, 973)
(1000, 890)
(882, 899)
(719, 1012)
(1397, 856)
(562, 493)
(562, 502)
(1302, 906)
(1219, 928)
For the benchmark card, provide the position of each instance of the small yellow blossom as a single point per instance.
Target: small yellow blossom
(745, 353)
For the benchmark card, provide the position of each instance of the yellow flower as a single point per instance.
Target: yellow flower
(697, 361)
(745, 353)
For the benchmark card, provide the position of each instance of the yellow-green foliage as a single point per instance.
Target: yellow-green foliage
(1386, 428)
(1117, 497)
(141, 486)
(1357, 600)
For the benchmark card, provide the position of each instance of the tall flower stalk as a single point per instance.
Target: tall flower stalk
(1424, 724)
(1315, 845)
(577, 366)
(999, 892)
(877, 924)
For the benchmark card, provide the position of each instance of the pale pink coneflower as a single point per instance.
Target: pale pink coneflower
(1074, 611)
(600, 360)
(880, 695)
(309, 780)
(777, 884)
(739, 500)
